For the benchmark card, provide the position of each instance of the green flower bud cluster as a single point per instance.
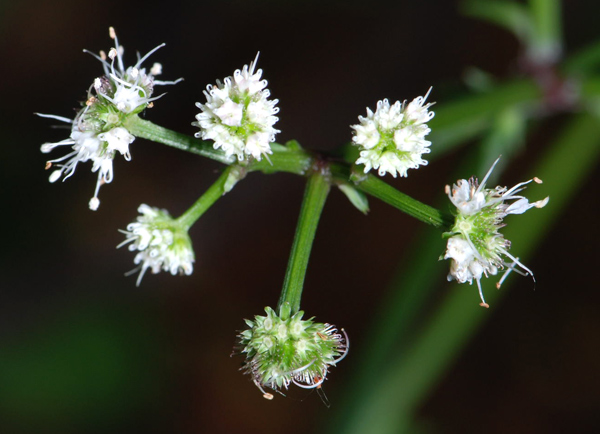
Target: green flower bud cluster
(283, 349)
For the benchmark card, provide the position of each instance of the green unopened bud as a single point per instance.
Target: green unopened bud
(283, 349)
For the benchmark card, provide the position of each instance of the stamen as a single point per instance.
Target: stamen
(347, 348)
(483, 303)
(94, 203)
(541, 203)
(516, 261)
(163, 83)
(253, 64)
(487, 175)
(142, 272)
(323, 397)
(58, 118)
(257, 384)
(54, 176)
(148, 54)
(156, 69)
(509, 269)
(309, 386)
(302, 368)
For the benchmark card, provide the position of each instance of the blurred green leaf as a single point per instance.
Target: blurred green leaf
(91, 365)
(510, 15)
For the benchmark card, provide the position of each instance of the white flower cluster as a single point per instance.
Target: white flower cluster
(392, 139)
(98, 130)
(238, 114)
(161, 242)
(476, 247)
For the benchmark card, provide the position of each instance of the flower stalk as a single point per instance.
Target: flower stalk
(221, 186)
(315, 196)
(148, 130)
(291, 158)
(374, 186)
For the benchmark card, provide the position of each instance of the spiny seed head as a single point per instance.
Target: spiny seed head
(283, 348)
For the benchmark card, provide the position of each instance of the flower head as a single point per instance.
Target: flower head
(161, 242)
(283, 349)
(475, 246)
(98, 131)
(238, 114)
(392, 139)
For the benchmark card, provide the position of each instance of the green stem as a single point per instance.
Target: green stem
(315, 195)
(210, 196)
(291, 159)
(147, 130)
(374, 186)
(547, 27)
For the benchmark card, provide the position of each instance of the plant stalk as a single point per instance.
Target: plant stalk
(315, 196)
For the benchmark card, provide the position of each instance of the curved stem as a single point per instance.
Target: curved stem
(315, 196)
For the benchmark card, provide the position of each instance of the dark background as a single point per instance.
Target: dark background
(82, 349)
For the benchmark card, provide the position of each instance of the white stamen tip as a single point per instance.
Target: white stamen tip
(112, 53)
(94, 203)
(537, 180)
(112, 33)
(54, 176)
(541, 203)
(156, 69)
